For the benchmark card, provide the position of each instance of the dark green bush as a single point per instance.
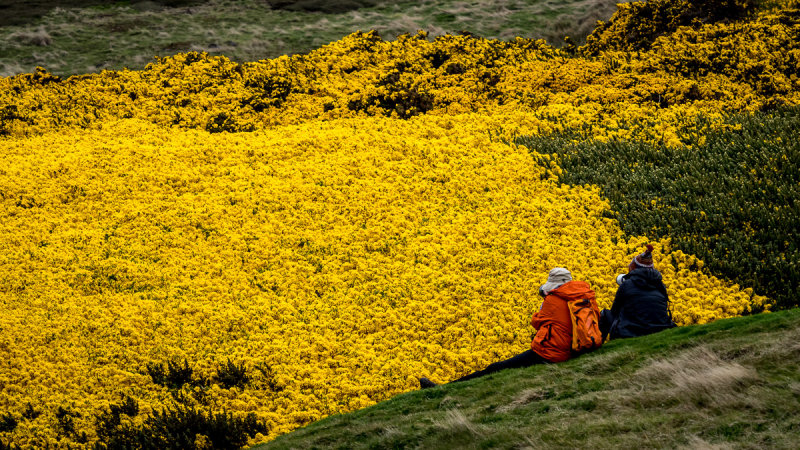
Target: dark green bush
(65, 423)
(109, 421)
(731, 200)
(174, 375)
(230, 375)
(268, 374)
(30, 413)
(7, 423)
(8, 446)
(178, 427)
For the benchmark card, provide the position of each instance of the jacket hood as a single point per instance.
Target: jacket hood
(644, 275)
(573, 290)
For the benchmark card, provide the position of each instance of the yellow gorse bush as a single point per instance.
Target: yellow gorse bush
(349, 256)
(346, 241)
(651, 94)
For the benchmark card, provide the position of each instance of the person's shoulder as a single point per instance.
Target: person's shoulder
(576, 287)
(646, 273)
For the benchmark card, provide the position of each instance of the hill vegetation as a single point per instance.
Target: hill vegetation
(65, 40)
(212, 253)
(734, 383)
(727, 197)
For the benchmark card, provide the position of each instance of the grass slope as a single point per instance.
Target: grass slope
(91, 38)
(734, 382)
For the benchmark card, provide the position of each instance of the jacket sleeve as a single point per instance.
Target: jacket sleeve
(619, 301)
(542, 316)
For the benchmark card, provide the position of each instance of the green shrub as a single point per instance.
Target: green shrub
(7, 423)
(179, 427)
(230, 375)
(731, 200)
(30, 413)
(174, 375)
(8, 446)
(109, 421)
(65, 425)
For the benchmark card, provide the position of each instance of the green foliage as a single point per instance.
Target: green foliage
(267, 91)
(65, 425)
(178, 428)
(636, 25)
(30, 413)
(174, 375)
(65, 420)
(268, 375)
(7, 423)
(731, 200)
(8, 446)
(108, 423)
(231, 375)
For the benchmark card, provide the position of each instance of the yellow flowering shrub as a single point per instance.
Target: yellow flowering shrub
(349, 256)
(716, 68)
(346, 220)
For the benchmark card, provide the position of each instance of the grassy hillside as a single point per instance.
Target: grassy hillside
(113, 35)
(733, 383)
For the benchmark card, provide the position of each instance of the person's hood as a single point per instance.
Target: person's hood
(572, 290)
(644, 276)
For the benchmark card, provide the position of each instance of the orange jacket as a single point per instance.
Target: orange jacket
(553, 340)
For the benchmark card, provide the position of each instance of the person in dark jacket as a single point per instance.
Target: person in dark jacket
(553, 340)
(641, 305)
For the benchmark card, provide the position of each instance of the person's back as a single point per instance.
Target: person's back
(641, 305)
(553, 322)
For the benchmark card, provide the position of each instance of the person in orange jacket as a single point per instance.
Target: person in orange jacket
(553, 340)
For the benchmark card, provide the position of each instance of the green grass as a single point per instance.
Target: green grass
(734, 382)
(730, 199)
(68, 41)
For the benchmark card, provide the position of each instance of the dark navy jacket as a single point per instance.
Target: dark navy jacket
(641, 305)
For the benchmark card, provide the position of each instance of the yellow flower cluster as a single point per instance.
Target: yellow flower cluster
(656, 94)
(350, 256)
(367, 229)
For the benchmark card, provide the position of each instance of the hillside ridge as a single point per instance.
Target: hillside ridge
(734, 382)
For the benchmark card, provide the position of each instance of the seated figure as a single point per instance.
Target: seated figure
(641, 305)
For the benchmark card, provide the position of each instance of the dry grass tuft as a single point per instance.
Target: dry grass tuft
(10, 69)
(456, 423)
(40, 37)
(524, 397)
(697, 443)
(787, 346)
(530, 444)
(407, 23)
(697, 376)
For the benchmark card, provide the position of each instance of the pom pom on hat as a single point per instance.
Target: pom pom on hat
(644, 259)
